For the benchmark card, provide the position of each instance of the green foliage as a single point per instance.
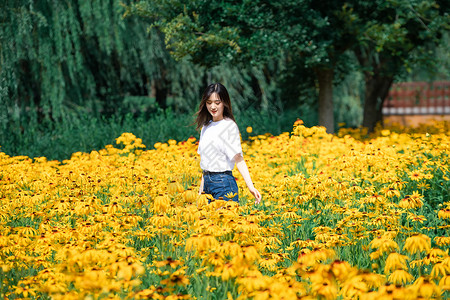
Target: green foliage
(57, 55)
(432, 64)
(63, 59)
(82, 132)
(209, 32)
(317, 34)
(257, 31)
(392, 36)
(348, 105)
(395, 28)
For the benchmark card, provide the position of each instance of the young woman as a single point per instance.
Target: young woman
(220, 146)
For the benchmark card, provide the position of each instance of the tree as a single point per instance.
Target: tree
(210, 32)
(382, 34)
(57, 58)
(60, 56)
(393, 35)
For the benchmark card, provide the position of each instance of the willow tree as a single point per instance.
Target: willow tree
(61, 56)
(56, 56)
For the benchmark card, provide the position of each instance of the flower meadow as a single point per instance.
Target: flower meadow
(342, 216)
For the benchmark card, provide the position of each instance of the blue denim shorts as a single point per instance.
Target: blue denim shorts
(220, 185)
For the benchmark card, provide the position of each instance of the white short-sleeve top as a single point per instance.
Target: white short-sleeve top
(219, 143)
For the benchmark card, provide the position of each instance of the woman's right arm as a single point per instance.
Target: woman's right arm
(200, 190)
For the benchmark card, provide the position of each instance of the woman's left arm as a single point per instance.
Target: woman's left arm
(242, 167)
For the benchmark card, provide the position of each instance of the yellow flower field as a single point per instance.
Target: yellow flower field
(341, 217)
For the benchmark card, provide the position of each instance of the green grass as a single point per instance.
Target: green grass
(85, 133)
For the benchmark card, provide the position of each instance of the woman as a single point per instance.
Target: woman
(220, 146)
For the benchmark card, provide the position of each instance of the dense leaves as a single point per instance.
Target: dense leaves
(383, 35)
(58, 58)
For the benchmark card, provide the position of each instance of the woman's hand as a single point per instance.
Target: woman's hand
(255, 194)
(242, 167)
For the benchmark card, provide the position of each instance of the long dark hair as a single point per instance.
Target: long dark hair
(203, 116)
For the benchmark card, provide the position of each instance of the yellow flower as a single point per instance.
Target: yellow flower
(254, 281)
(416, 263)
(435, 255)
(400, 277)
(395, 261)
(25, 291)
(398, 184)
(215, 259)
(298, 122)
(211, 289)
(411, 201)
(316, 256)
(168, 262)
(385, 132)
(444, 214)
(417, 243)
(176, 278)
(440, 270)
(324, 289)
(416, 218)
(190, 196)
(268, 263)
(390, 291)
(249, 129)
(28, 231)
(354, 287)
(426, 288)
(161, 203)
(230, 248)
(202, 200)
(372, 280)
(174, 187)
(384, 244)
(250, 253)
(444, 283)
(392, 193)
(416, 175)
(229, 270)
(201, 242)
(127, 270)
(342, 270)
(230, 195)
(343, 189)
(160, 220)
(442, 240)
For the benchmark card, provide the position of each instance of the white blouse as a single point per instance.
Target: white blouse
(219, 143)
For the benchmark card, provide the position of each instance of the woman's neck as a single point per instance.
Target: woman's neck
(218, 119)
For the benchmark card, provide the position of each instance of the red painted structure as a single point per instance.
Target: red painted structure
(418, 98)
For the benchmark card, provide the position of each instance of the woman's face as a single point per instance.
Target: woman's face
(215, 107)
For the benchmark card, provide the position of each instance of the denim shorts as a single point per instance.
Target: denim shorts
(220, 185)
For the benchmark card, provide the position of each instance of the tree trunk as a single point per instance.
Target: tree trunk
(256, 91)
(161, 96)
(326, 113)
(30, 90)
(376, 90)
(378, 77)
(160, 92)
